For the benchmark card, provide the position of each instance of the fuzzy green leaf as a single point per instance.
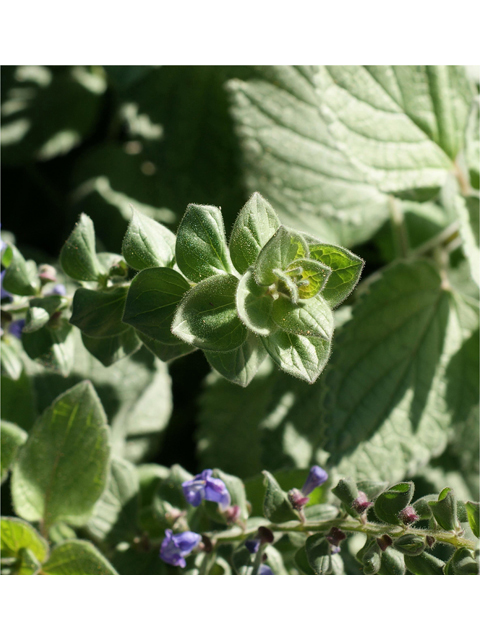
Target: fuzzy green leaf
(311, 276)
(207, 317)
(385, 410)
(319, 555)
(240, 365)
(254, 307)
(276, 506)
(115, 515)
(152, 300)
(62, 468)
(20, 276)
(345, 266)
(17, 536)
(99, 314)
(112, 349)
(309, 318)
(12, 438)
(389, 503)
(300, 356)
(255, 225)
(473, 509)
(148, 243)
(280, 251)
(78, 256)
(201, 250)
(52, 346)
(166, 352)
(77, 558)
(324, 144)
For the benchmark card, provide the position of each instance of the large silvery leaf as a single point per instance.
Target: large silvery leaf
(201, 250)
(207, 317)
(77, 557)
(152, 300)
(115, 515)
(385, 411)
(148, 243)
(62, 468)
(255, 225)
(325, 144)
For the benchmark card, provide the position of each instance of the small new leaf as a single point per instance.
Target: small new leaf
(300, 356)
(148, 243)
(207, 317)
(78, 256)
(255, 225)
(20, 276)
(254, 306)
(201, 249)
(281, 250)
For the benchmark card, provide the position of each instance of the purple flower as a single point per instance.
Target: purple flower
(265, 570)
(58, 290)
(3, 293)
(177, 546)
(204, 487)
(316, 477)
(253, 545)
(16, 328)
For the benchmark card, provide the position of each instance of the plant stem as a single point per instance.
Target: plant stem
(349, 525)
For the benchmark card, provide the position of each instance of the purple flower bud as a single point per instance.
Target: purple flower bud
(3, 293)
(297, 499)
(265, 570)
(361, 502)
(177, 546)
(16, 328)
(47, 273)
(253, 545)
(232, 513)
(335, 550)
(316, 478)
(408, 515)
(204, 487)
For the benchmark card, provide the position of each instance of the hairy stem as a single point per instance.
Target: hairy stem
(351, 525)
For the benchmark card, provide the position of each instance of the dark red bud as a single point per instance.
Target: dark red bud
(430, 540)
(384, 542)
(335, 536)
(265, 535)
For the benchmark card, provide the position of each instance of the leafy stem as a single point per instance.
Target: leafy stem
(351, 525)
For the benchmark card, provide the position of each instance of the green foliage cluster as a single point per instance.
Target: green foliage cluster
(376, 162)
